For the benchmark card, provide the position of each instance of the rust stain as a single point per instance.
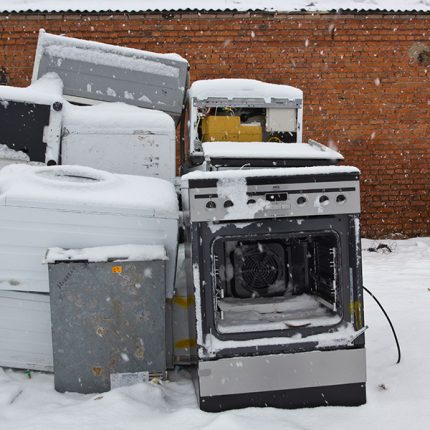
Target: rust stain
(112, 363)
(97, 371)
(139, 352)
(101, 331)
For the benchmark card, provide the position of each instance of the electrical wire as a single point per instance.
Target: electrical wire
(399, 354)
(275, 139)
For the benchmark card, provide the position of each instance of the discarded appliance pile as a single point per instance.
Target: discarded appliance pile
(253, 280)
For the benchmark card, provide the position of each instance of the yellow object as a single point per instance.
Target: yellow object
(184, 301)
(186, 343)
(356, 310)
(116, 269)
(275, 139)
(220, 128)
(250, 133)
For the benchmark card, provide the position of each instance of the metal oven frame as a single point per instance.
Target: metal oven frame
(295, 367)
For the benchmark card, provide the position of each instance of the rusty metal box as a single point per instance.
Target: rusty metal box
(107, 318)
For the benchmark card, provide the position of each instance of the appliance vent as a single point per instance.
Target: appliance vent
(259, 270)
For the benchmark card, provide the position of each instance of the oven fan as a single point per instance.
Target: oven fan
(259, 270)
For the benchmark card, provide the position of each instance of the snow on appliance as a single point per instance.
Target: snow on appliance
(113, 136)
(39, 126)
(119, 138)
(68, 207)
(30, 121)
(230, 155)
(274, 261)
(242, 110)
(92, 72)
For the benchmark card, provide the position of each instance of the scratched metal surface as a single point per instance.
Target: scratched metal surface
(106, 318)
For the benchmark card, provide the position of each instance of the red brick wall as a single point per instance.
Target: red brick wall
(363, 91)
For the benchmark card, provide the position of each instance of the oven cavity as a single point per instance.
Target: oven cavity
(277, 283)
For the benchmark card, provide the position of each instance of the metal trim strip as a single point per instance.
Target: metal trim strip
(281, 372)
(268, 180)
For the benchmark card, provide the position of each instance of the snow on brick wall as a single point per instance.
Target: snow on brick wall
(365, 82)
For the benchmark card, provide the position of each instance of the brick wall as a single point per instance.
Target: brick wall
(365, 80)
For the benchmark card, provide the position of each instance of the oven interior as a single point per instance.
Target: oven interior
(278, 283)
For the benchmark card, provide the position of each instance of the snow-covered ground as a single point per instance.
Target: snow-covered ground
(398, 395)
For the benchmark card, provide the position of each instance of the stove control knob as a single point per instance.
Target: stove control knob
(340, 198)
(324, 199)
(251, 202)
(228, 204)
(210, 204)
(301, 200)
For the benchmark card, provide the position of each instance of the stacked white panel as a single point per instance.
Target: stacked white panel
(68, 207)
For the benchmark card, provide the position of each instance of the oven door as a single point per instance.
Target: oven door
(278, 284)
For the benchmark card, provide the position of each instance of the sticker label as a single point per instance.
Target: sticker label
(116, 269)
(118, 380)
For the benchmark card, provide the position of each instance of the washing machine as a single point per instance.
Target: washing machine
(68, 207)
